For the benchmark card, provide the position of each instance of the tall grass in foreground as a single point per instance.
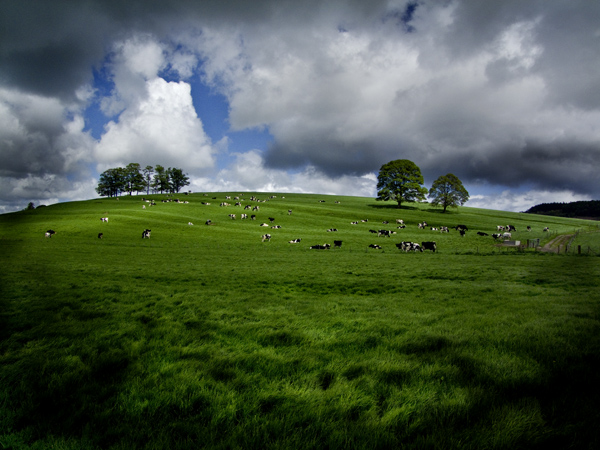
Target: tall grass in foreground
(208, 338)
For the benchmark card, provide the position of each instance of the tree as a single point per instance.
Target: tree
(448, 191)
(111, 182)
(161, 179)
(134, 180)
(177, 179)
(401, 181)
(148, 171)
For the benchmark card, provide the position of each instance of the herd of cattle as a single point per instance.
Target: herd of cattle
(504, 231)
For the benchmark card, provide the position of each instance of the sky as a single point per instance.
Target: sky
(311, 96)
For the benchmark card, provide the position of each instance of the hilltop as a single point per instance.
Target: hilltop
(581, 209)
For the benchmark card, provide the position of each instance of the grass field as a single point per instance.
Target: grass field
(206, 337)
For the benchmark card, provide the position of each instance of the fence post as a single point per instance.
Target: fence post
(579, 249)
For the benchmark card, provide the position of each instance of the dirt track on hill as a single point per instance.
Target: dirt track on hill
(555, 243)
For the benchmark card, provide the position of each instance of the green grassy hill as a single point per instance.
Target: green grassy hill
(207, 337)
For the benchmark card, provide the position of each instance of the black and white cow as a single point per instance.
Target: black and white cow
(266, 237)
(253, 217)
(429, 246)
(481, 233)
(232, 216)
(146, 234)
(461, 227)
(337, 244)
(546, 229)
(208, 222)
(387, 233)
(100, 235)
(528, 228)
(271, 219)
(332, 229)
(375, 246)
(276, 227)
(409, 247)
(50, 233)
(104, 219)
(506, 235)
(295, 241)
(400, 221)
(496, 235)
(264, 224)
(321, 247)
(462, 231)
(510, 228)
(354, 223)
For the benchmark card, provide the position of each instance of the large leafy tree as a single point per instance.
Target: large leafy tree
(448, 191)
(401, 181)
(177, 179)
(148, 171)
(111, 182)
(134, 180)
(161, 179)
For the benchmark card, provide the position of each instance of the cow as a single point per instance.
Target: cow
(510, 228)
(104, 219)
(232, 216)
(276, 227)
(289, 212)
(264, 224)
(444, 230)
(506, 235)
(481, 233)
(546, 229)
(429, 246)
(364, 220)
(337, 244)
(208, 222)
(295, 241)
(500, 228)
(387, 233)
(190, 223)
(100, 235)
(496, 235)
(375, 246)
(50, 233)
(143, 206)
(146, 234)
(528, 228)
(320, 247)
(433, 229)
(400, 221)
(266, 237)
(385, 222)
(354, 223)
(409, 247)
(373, 231)
(462, 232)
(332, 229)
(271, 219)
(461, 227)
(401, 227)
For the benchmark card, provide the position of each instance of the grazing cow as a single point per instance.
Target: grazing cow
(528, 228)
(433, 229)
(385, 222)
(337, 244)
(354, 223)
(364, 220)
(332, 229)
(253, 217)
(295, 241)
(321, 247)
(146, 234)
(429, 246)
(409, 247)
(271, 219)
(247, 207)
(232, 216)
(104, 219)
(100, 235)
(496, 235)
(422, 225)
(49, 233)
(208, 222)
(266, 237)
(500, 228)
(481, 233)
(289, 212)
(400, 221)
(461, 227)
(373, 231)
(143, 206)
(244, 216)
(190, 223)
(444, 230)
(321, 201)
(256, 208)
(264, 224)
(387, 233)
(546, 229)
(462, 232)
(510, 228)
(506, 235)
(401, 226)
(276, 227)
(375, 246)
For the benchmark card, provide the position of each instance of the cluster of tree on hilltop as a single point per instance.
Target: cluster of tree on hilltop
(401, 181)
(132, 178)
(589, 208)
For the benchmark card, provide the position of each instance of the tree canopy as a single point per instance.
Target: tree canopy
(401, 181)
(133, 178)
(448, 191)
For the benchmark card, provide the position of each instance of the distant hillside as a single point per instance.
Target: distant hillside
(584, 209)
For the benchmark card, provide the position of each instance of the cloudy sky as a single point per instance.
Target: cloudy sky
(302, 96)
